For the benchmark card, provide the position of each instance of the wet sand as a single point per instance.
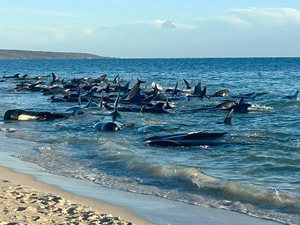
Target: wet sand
(29, 195)
(23, 200)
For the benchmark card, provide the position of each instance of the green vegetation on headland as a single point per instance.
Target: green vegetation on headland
(23, 54)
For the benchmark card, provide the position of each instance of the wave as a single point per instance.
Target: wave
(257, 108)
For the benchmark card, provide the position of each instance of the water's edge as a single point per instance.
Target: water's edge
(156, 210)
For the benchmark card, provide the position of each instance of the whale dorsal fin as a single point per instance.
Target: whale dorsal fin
(197, 90)
(242, 101)
(134, 91)
(115, 114)
(175, 89)
(188, 86)
(228, 118)
(90, 100)
(116, 80)
(203, 92)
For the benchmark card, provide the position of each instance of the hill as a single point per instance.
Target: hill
(24, 54)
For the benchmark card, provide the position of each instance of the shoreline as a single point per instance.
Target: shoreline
(131, 208)
(24, 199)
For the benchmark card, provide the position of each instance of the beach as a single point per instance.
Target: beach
(23, 200)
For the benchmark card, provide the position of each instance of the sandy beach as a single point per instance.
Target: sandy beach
(23, 200)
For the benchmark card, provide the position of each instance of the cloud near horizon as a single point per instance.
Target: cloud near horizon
(251, 18)
(270, 17)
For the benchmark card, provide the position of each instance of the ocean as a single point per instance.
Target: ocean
(255, 169)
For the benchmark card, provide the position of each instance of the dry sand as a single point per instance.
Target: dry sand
(24, 200)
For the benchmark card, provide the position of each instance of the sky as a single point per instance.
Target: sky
(153, 28)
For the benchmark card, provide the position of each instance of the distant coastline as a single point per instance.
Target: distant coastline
(24, 54)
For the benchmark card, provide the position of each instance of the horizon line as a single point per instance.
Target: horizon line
(117, 57)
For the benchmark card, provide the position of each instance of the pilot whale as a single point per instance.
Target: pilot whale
(195, 138)
(292, 97)
(110, 123)
(24, 115)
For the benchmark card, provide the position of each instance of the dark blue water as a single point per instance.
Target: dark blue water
(256, 171)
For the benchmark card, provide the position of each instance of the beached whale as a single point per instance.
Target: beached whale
(186, 139)
(24, 115)
(182, 143)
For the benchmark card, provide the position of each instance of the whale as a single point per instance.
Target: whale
(110, 123)
(102, 78)
(28, 86)
(195, 138)
(292, 97)
(107, 126)
(124, 89)
(158, 96)
(17, 75)
(174, 91)
(56, 99)
(238, 106)
(227, 105)
(57, 91)
(55, 79)
(221, 93)
(159, 107)
(134, 94)
(27, 115)
(183, 143)
(198, 92)
(195, 135)
(156, 128)
(117, 79)
(251, 95)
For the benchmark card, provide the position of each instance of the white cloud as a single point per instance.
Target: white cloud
(252, 18)
(267, 16)
(235, 22)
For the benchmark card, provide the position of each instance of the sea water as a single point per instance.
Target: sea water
(256, 171)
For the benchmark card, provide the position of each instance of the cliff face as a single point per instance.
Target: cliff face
(22, 54)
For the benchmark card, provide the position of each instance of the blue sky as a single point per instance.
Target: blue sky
(152, 28)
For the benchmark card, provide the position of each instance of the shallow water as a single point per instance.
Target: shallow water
(256, 171)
